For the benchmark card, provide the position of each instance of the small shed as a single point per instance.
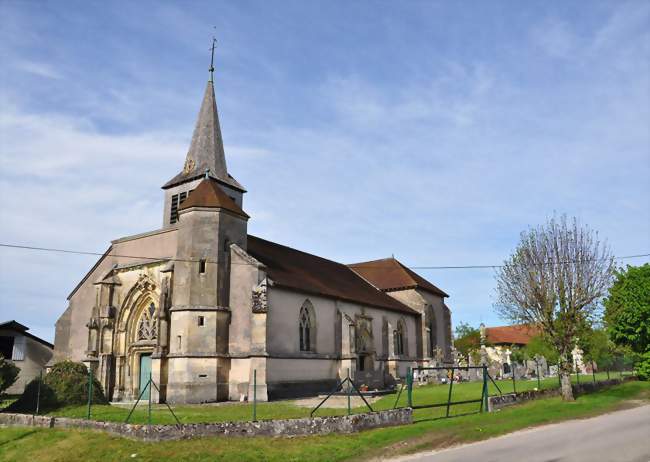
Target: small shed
(29, 352)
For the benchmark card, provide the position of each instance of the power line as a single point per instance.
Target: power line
(624, 257)
(106, 254)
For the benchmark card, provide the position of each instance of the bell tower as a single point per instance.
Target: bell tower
(204, 203)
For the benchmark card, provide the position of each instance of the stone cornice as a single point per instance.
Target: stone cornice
(199, 308)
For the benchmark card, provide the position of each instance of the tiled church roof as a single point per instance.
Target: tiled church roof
(298, 270)
(389, 274)
(208, 193)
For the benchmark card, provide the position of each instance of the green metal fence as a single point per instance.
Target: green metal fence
(150, 383)
(418, 401)
(449, 403)
(348, 392)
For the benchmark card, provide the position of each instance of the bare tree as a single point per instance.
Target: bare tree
(555, 279)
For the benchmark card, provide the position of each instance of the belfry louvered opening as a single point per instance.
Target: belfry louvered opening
(177, 200)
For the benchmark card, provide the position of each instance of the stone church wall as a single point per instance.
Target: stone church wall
(419, 300)
(71, 337)
(291, 371)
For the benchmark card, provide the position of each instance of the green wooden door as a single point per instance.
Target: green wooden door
(145, 372)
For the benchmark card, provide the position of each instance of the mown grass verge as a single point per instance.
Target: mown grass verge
(18, 444)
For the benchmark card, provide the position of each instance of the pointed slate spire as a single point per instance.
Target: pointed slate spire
(206, 151)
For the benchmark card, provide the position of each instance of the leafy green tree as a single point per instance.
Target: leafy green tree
(539, 346)
(8, 374)
(627, 313)
(518, 354)
(467, 341)
(597, 348)
(643, 366)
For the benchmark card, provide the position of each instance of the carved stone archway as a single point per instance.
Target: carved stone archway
(138, 328)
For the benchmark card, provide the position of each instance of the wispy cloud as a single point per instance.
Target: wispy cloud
(37, 69)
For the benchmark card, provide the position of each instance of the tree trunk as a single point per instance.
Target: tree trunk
(565, 381)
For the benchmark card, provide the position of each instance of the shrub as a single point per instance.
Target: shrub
(66, 384)
(27, 401)
(8, 374)
(69, 381)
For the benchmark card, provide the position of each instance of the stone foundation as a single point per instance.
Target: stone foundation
(287, 427)
(302, 389)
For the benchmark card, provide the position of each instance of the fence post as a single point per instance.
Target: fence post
(559, 377)
(349, 391)
(38, 392)
(575, 364)
(254, 394)
(90, 390)
(451, 385)
(484, 392)
(149, 405)
(539, 383)
(409, 385)
(514, 382)
(608, 373)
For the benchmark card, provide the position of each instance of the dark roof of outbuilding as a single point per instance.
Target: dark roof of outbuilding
(298, 270)
(209, 194)
(389, 274)
(18, 327)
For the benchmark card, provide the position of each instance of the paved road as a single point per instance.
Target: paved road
(622, 436)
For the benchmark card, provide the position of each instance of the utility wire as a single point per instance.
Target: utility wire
(106, 254)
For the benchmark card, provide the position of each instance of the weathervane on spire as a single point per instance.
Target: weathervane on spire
(214, 42)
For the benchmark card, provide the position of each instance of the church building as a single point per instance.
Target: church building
(199, 304)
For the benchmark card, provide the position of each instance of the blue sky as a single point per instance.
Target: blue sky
(434, 131)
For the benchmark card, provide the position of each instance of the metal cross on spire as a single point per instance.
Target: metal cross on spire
(214, 42)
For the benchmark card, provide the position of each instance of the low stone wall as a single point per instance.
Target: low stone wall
(288, 427)
(497, 402)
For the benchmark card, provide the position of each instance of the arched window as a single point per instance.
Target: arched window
(307, 327)
(398, 338)
(147, 327)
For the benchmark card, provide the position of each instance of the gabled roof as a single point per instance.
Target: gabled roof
(209, 194)
(308, 273)
(90, 271)
(389, 274)
(13, 325)
(18, 327)
(518, 334)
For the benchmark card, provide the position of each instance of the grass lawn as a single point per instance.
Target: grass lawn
(427, 394)
(48, 445)
(6, 400)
